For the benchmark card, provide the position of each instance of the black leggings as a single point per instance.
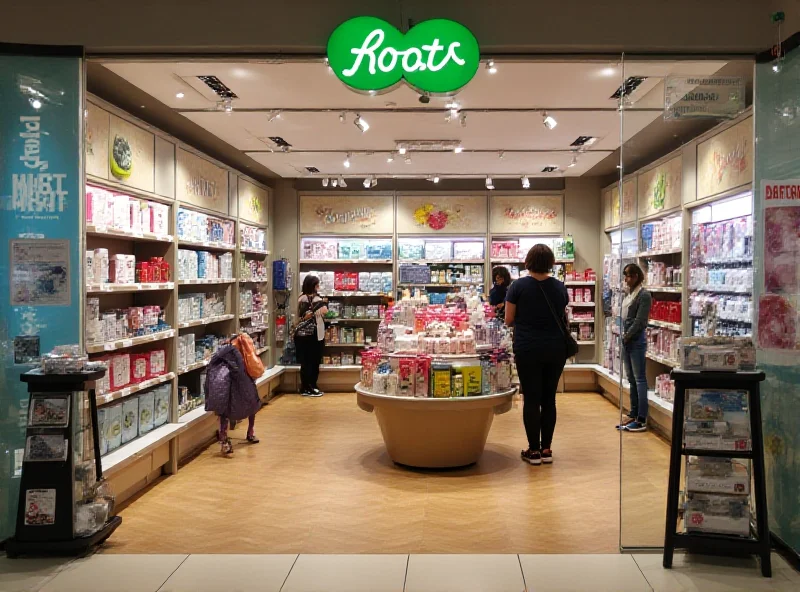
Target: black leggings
(539, 373)
(309, 354)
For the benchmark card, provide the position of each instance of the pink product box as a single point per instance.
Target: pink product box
(158, 362)
(121, 212)
(122, 269)
(99, 206)
(140, 367)
(159, 218)
(120, 371)
(135, 214)
(103, 385)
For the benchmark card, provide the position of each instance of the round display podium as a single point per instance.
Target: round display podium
(435, 433)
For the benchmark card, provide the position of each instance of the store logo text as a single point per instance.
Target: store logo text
(36, 191)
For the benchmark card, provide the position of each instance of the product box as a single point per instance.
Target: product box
(720, 514)
(351, 249)
(438, 250)
(120, 371)
(717, 475)
(146, 412)
(468, 250)
(121, 212)
(140, 367)
(159, 223)
(130, 419)
(472, 380)
(113, 426)
(410, 249)
(161, 404)
(379, 249)
(158, 362)
(441, 380)
(101, 428)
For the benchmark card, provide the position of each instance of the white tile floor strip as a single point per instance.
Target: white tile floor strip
(579, 573)
(394, 573)
(464, 573)
(120, 573)
(230, 573)
(347, 573)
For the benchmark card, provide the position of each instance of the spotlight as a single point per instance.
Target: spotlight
(374, 182)
(777, 65)
(463, 120)
(227, 106)
(526, 183)
(346, 162)
(573, 162)
(549, 121)
(454, 108)
(334, 182)
(325, 181)
(366, 183)
(501, 155)
(401, 150)
(342, 182)
(342, 117)
(436, 178)
(491, 67)
(390, 158)
(458, 149)
(275, 115)
(36, 103)
(361, 123)
(489, 184)
(179, 95)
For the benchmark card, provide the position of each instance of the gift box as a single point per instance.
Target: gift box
(159, 221)
(140, 368)
(113, 427)
(121, 212)
(120, 371)
(130, 419)
(146, 412)
(161, 404)
(158, 362)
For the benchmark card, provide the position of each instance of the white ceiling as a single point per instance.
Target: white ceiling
(319, 139)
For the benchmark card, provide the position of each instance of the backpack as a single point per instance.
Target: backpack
(252, 363)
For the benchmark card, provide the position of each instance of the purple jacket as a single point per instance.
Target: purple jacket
(229, 390)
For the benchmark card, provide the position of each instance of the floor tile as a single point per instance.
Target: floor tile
(347, 573)
(705, 573)
(121, 573)
(578, 573)
(232, 573)
(465, 573)
(28, 575)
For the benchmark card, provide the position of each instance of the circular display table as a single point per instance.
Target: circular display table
(428, 432)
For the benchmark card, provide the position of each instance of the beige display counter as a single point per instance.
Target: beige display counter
(428, 432)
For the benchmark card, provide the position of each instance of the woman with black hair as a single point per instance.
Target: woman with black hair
(309, 335)
(497, 295)
(635, 314)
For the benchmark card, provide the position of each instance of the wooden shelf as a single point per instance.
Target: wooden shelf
(664, 361)
(346, 261)
(116, 288)
(134, 388)
(262, 350)
(244, 281)
(253, 251)
(582, 304)
(206, 281)
(345, 294)
(126, 343)
(205, 321)
(347, 344)
(195, 366)
(665, 289)
(95, 230)
(194, 416)
(439, 285)
(644, 254)
(665, 325)
(250, 315)
(135, 449)
(579, 283)
(441, 261)
(212, 245)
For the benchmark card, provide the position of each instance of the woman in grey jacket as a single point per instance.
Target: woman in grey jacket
(635, 314)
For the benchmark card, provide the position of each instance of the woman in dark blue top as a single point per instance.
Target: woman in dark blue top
(540, 351)
(497, 295)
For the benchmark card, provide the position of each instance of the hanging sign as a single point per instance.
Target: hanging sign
(435, 56)
(696, 97)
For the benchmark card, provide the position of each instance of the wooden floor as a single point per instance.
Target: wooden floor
(320, 482)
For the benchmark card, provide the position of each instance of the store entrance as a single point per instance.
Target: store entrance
(406, 199)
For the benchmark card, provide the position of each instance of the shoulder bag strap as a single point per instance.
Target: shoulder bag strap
(559, 321)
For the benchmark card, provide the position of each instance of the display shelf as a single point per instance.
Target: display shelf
(442, 261)
(735, 261)
(96, 230)
(130, 390)
(462, 285)
(262, 350)
(345, 294)
(582, 304)
(94, 348)
(253, 251)
(206, 281)
(250, 315)
(328, 367)
(195, 366)
(117, 288)
(193, 416)
(346, 261)
(477, 354)
(644, 254)
(587, 343)
(511, 261)
(211, 245)
(718, 318)
(576, 321)
(347, 344)
(246, 281)
(579, 283)
(722, 290)
(664, 325)
(664, 361)
(339, 320)
(665, 289)
(253, 330)
(205, 321)
(132, 451)
(662, 404)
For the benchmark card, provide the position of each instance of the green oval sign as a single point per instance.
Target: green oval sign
(435, 56)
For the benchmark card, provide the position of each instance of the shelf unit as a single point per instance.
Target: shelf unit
(437, 252)
(119, 288)
(253, 261)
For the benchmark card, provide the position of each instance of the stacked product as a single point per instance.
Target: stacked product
(717, 489)
(127, 369)
(124, 269)
(441, 274)
(375, 282)
(716, 314)
(192, 307)
(439, 250)
(134, 416)
(348, 335)
(665, 388)
(126, 323)
(736, 279)
(660, 275)
(343, 359)
(193, 265)
(587, 275)
(337, 310)
(254, 303)
(326, 249)
(202, 228)
(666, 311)
(188, 399)
(717, 353)
(107, 209)
(192, 349)
(663, 343)
(662, 236)
(252, 270)
(252, 238)
(517, 249)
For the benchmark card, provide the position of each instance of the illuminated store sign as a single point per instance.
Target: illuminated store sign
(435, 56)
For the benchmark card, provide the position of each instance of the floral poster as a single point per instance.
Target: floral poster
(352, 214)
(520, 214)
(252, 202)
(778, 322)
(660, 188)
(441, 214)
(725, 161)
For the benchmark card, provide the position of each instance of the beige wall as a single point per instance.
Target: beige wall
(103, 26)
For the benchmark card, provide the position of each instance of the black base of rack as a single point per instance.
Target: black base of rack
(77, 546)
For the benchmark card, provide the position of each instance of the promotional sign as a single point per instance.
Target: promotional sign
(444, 214)
(435, 56)
(356, 214)
(695, 97)
(725, 161)
(536, 214)
(40, 222)
(660, 188)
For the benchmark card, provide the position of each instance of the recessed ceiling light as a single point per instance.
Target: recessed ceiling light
(312, 169)
(526, 183)
(458, 149)
(346, 162)
(342, 182)
(583, 141)
(401, 150)
(490, 66)
(179, 95)
(361, 123)
(608, 71)
(325, 182)
(551, 168)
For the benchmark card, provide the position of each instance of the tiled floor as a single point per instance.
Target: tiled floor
(393, 573)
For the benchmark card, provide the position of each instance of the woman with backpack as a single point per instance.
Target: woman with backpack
(231, 390)
(309, 335)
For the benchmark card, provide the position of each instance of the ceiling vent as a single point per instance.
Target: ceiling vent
(627, 87)
(584, 141)
(220, 88)
(312, 170)
(280, 143)
(550, 169)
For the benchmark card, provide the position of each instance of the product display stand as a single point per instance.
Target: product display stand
(758, 543)
(62, 418)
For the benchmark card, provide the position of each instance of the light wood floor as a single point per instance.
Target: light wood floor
(320, 482)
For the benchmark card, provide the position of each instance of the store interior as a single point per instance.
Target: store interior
(388, 197)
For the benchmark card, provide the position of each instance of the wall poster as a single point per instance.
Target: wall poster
(446, 214)
(521, 214)
(252, 202)
(98, 124)
(629, 201)
(660, 188)
(200, 182)
(725, 161)
(348, 214)
(131, 156)
(39, 272)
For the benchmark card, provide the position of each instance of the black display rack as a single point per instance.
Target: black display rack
(46, 515)
(758, 543)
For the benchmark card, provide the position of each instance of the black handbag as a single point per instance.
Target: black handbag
(569, 340)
